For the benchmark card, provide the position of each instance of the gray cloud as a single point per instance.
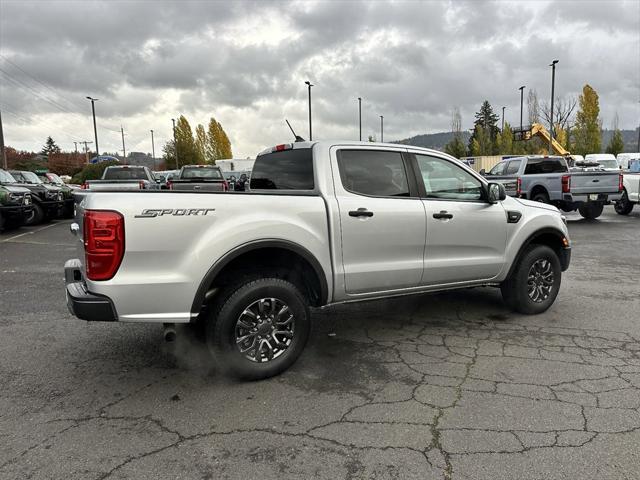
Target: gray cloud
(245, 64)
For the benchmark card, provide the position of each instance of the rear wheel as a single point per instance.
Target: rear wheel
(36, 216)
(258, 329)
(591, 211)
(623, 206)
(533, 285)
(541, 197)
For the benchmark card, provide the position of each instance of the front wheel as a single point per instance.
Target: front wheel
(36, 216)
(591, 211)
(259, 328)
(623, 206)
(533, 285)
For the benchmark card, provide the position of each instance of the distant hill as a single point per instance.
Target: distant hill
(437, 141)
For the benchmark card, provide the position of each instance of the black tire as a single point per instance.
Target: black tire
(591, 211)
(224, 324)
(623, 206)
(2, 223)
(541, 197)
(516, 289)
(37, 215)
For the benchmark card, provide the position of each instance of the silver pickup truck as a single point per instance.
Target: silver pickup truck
(323, 223)
(548, 179)
(123, 177)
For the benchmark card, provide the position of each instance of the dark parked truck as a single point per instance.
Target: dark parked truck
(67, 191)
(323, 223)
(124, 177)
(547, 179)
(15, 206)
(206, 178)
(47, 199)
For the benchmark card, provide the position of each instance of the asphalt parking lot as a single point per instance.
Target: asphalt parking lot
(435, 386)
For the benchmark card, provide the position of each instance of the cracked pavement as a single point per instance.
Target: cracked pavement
(445, 386)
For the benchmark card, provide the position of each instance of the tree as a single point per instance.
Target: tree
(201, 144)
(485, 130)
(505, 140)
(169, 155)
(187, 151)
(587, 133)
(50, 147)
(218, 144)
(616, 144)
(562, 110)
(533, 107)
(456, 146)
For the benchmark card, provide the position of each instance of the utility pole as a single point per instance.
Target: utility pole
(381, 128)
(2, 151)
(153, 149)
(95, 130)
(124, 150)
(310, 85)
(360, 115)
(503, 118)
(553, 86)
(521, 104)
(86, 148)
(75, 144)
(175, 142)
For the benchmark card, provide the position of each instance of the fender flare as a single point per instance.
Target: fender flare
(234, 253)
(564, 262)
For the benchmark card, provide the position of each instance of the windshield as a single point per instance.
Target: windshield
(31, 177)
(125, 173)
(608, 163)
(5, 177)
(201, 172)
(54, 178)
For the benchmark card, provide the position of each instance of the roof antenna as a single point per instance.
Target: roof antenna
(298, 139)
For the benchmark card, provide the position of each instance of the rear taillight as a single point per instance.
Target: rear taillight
(142, 185)
(566, 183)
(225, 186)
(620, 182)
(518, 186)
(84, 186)
(103, 243)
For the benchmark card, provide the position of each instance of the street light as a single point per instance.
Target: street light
(381, 128)
(95, 130)
(153, 149)
(553, 86)
(503, 118)
(521, 103)
(360, 115)
(309, 85)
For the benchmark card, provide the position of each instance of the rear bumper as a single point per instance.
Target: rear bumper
(595, 197)
(80, 302)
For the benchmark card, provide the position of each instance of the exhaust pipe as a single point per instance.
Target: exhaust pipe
(169, 332)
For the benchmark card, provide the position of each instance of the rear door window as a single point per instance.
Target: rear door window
(283, 170)
(373, 172)
(545, 165)
(513, 167)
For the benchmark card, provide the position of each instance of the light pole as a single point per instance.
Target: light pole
(521, 104)
(153, 149)
(360, 116)
(503, 118)
(3, 154)
(553, 86)
(175, 142)
(95, 130)
(309, 84)
(381, 128)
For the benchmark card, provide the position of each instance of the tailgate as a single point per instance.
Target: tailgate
(217, 186)
(583, 183)
(113, 185)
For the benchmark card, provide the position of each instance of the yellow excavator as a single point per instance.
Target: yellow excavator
(536, 129)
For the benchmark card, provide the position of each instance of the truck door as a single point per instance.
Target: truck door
(466, 236)
(382, 219)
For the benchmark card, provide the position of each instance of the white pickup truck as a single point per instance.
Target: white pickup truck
(323, 223)
(631, 191)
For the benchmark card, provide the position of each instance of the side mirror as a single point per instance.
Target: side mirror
(496, 192)
(158, 180)
(483, 172)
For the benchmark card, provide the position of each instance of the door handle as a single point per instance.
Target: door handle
(361, 212)
(443, 214)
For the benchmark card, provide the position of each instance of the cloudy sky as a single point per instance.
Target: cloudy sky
(245, 63)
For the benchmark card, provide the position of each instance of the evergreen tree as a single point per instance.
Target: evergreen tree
(50, 147)
(616, 144)
(504, 141)
(169, 155)
(485, 130)
(587, 134)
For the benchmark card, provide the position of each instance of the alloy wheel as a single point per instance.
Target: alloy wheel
(540, 280)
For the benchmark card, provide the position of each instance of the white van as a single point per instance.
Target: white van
(606, 160)
(625, 158)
